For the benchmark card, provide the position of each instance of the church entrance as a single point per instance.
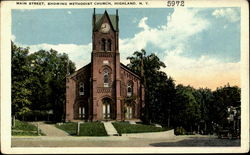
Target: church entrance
(128, 112)
(82, 111)
(108, 109)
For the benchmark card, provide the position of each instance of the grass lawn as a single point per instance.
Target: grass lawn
(125, 127)
(24, 129)
(86, 129)
(70, 128)
(92, 129)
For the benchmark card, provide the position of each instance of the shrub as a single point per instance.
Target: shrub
(24, 129)
(179, 131)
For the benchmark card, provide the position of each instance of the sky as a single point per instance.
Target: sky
(200, 46)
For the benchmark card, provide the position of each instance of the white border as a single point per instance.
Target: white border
(5, 32)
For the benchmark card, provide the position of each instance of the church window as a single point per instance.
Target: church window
(81, 89)
(106, 77)
(109, 45)
(103, 42)
(129, 89)
(81, 112)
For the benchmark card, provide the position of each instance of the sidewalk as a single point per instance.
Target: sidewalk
(51, 130)
(111, 131)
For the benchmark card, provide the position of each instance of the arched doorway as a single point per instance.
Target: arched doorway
(108, 109)
(82, 110)
(129, 110)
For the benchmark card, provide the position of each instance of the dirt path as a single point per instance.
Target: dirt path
(51, 130)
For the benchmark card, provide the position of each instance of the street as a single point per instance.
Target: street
(120, 141)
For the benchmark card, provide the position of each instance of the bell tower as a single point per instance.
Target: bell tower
(105, 34)
(105, 70)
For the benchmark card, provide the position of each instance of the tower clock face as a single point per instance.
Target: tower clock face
(105, 27)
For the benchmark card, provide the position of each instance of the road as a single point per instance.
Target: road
(120, 141)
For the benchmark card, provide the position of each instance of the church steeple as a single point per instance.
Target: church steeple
(105, 32)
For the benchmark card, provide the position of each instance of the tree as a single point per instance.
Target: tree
(39, 81)
(185, 108)
(204, 97)
(157, 86)
(224, 97)
(19, 81)
(49, 70)
(180, 106)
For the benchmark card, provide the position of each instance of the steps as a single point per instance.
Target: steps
(111, 131)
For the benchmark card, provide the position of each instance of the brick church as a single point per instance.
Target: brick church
(104, 89)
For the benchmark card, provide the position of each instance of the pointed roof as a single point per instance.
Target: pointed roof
(99, 19)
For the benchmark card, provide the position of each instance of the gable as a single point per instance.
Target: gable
(83, 70)
(123, 67)
(99, 20)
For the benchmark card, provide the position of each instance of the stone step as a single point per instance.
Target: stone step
(110, 129)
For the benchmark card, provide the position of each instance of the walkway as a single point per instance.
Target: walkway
(51, 130)
(120, 141)
(111, 131)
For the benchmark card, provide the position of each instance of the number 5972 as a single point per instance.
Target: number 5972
(175, 3)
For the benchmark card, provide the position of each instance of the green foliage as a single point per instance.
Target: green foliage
(24, 129)
(123, 127)
(21, 125)
(39, 81)
(20, 80)
(86, 129)
(175, 106)
(156, 83)
(224, 97)
(23, 133)
(70, 127)
(179, 131)
(92, 129)
(186, 109)
(39, 84)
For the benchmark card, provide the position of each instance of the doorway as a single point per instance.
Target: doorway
(107, 109)
(129, 112)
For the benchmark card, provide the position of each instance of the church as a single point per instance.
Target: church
(105, 89)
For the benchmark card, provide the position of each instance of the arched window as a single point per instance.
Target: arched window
(81, 89)
(129, 89)
(106, 77)
(109, 45)
(103, 44)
